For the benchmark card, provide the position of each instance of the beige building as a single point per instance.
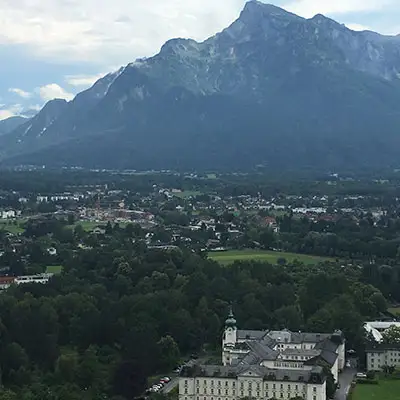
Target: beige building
(266, 365)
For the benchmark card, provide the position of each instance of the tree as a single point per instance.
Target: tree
(392, 335)
(169, 353)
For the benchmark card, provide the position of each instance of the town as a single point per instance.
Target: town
(238, 286)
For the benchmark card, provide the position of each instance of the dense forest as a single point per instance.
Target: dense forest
(121, 312)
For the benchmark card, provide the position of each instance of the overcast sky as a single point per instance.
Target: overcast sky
(56, 48)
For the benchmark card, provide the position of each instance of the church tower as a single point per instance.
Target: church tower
(229, 338)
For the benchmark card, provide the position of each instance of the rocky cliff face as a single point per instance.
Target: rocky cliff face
(273, 88)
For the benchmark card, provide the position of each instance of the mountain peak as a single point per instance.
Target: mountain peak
(257, 10)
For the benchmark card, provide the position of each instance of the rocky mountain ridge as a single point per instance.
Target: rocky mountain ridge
(272, 89)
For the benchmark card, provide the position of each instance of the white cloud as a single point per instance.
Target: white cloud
(358, 27)
(4, 114)
(53, 91)
(100, 30)
(308, 8)
(20, 92)
(10, 111)
(83, 80)
(97, 31)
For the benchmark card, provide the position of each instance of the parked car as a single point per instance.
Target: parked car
(348, 365)
(165, 380)
(361, 375)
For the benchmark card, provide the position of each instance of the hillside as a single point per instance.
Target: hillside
(272, 89)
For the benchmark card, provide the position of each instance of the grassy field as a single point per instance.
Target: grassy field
(187, 193)
(15, 229)
(394, 310)
(54, 269)
(90, 225)
(386, 390)
(228, 257)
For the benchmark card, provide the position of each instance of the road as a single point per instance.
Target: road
(170, 385)
(175, 380)
(345, 379)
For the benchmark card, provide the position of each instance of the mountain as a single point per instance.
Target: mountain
(272, 89)
(9, 124)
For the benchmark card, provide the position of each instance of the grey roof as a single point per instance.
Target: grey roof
(301, 352)
(251, 335)
(217, 371)
(379, 347)
(305, 337)
(259, 352)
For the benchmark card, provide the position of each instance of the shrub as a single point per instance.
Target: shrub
(367, 381)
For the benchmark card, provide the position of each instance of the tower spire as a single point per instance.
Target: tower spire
(230, 321)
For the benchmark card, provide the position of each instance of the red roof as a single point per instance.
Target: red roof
(6, 279)
(270, 220)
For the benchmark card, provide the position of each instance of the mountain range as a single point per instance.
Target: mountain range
(272, 89)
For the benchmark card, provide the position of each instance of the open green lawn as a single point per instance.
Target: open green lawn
(394, 310)
(15, 229)
(228, 257)
(54, 269)
(187, 193)
(90, 225)
(386, 390)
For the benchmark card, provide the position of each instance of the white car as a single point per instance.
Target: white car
(361, 375)
(348, 365)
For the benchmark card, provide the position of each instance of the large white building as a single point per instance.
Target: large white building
(380, 355)
(266, 365)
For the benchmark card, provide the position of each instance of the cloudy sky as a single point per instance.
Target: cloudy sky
(56, 48)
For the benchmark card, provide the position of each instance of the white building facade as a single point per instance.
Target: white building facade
(382, 355)
(266, 365)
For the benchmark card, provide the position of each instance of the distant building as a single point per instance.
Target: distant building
(382, 354)
(40, 278)
(266, 364)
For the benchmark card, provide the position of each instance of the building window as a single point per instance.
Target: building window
(226, 383)
(185, 382)
(314, 389)
(205, 382)
(212, 391)
(281, 395)
(219, 384)
(274, 387)
(198, 390)
(233, 384)
(212, 383)
(185, 390)
(219, 391)
(234, 392)
(258, 394)
(226, 392)
(314, 397)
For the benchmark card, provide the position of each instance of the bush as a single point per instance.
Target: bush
(364, 381)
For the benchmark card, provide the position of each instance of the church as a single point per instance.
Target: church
(266, 365)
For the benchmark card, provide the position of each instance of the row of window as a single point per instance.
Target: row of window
(242, 393)
(258, 386)
(274, 396)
